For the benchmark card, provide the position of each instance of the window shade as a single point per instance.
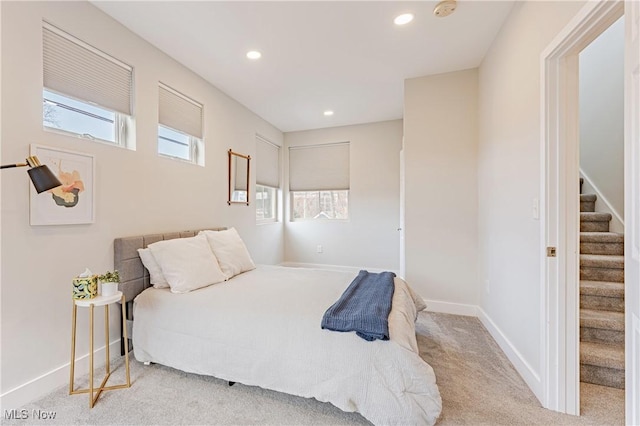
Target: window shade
(267, 163)
(319, 167)
(72, 67)
(179, 112)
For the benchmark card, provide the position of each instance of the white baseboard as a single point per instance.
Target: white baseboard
(17, 397)
(451, 308)
(355, 269)
(528, 374)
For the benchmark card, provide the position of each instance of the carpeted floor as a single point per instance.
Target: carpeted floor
(477, 383)
(479, 386)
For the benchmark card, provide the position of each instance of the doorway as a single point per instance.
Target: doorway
(560, 198)
(601, 250)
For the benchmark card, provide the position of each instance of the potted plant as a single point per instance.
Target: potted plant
(109, 283)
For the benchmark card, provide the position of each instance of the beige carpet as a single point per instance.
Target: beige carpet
(478, 386)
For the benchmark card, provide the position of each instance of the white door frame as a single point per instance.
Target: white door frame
(403, 262)
(561, 206)
(632, 211)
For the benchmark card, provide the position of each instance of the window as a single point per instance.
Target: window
(267, 180)
(86, 92)
(266, 204)
(319, 182)
(320, 205)
(175, 144)
(180, 126)
(90, 121)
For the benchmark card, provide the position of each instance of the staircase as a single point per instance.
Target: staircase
(601, 298)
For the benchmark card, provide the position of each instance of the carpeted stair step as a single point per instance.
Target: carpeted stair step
(602, 288)
(601, 243)
(602, 327)
(588, 202)
(601, 335)
(606, 320)
(602, 364)
(601, 267)
(602, 303)
(594, 222)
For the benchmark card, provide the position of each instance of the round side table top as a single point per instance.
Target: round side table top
(98, 300)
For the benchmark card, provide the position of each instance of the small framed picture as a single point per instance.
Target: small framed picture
(74, 201)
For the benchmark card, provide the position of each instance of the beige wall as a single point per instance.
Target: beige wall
(369, 238)
(440, 145)
(602, 114)
(136, 191)
(509, 175)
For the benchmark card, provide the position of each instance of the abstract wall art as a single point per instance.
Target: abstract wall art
(74, 201)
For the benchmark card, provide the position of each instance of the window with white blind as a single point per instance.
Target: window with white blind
(179, 126)
(319, 182)
(267, 160)
(86, 92)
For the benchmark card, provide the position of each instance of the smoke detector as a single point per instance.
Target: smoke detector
(445, 8)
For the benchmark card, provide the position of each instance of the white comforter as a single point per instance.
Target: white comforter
(262, 328)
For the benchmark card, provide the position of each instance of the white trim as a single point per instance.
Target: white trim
(21, 395)
(559, 323)
(632, 211)
(528, 373)
(633, 372)
(343, 268)
(451, 308)
(602, 204)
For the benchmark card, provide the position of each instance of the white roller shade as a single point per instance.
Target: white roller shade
(267, 163)
(319, 167)
(73, 68)
(179, 112)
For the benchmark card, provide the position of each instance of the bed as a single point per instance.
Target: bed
(262, 328)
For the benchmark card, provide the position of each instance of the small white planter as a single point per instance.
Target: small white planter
(109, 289)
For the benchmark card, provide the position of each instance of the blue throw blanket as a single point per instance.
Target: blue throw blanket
(363, 307)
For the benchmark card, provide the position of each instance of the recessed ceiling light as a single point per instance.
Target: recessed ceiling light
(328, 113)
(254, 54)
(403, 19)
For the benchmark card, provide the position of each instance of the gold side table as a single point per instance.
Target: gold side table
(94, 392)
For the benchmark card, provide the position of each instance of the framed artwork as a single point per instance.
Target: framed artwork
(74, 201)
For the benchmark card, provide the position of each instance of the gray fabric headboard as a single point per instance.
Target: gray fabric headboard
(134, 277)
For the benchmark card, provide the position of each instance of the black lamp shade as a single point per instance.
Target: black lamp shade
(43, 178)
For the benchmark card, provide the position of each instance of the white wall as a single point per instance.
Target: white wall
(602, 114)
(369, 238)
(509, 175)
(137, 191)
(440, 143)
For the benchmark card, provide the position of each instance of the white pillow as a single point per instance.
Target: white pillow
(155, 273)
(230, 250)
(187, 263)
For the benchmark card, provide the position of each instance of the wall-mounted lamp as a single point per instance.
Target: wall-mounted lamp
(42, 177)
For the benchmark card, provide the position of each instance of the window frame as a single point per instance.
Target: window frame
(120, 120)
(274, 202)
(171, 115)
(319, 219)
(194, 144)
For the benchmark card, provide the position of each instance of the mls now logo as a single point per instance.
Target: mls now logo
(16, 414)
(24, 414)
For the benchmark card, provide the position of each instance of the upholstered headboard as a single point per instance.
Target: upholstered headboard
(134, 277)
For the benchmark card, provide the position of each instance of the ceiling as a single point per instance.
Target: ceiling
(343, 56)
